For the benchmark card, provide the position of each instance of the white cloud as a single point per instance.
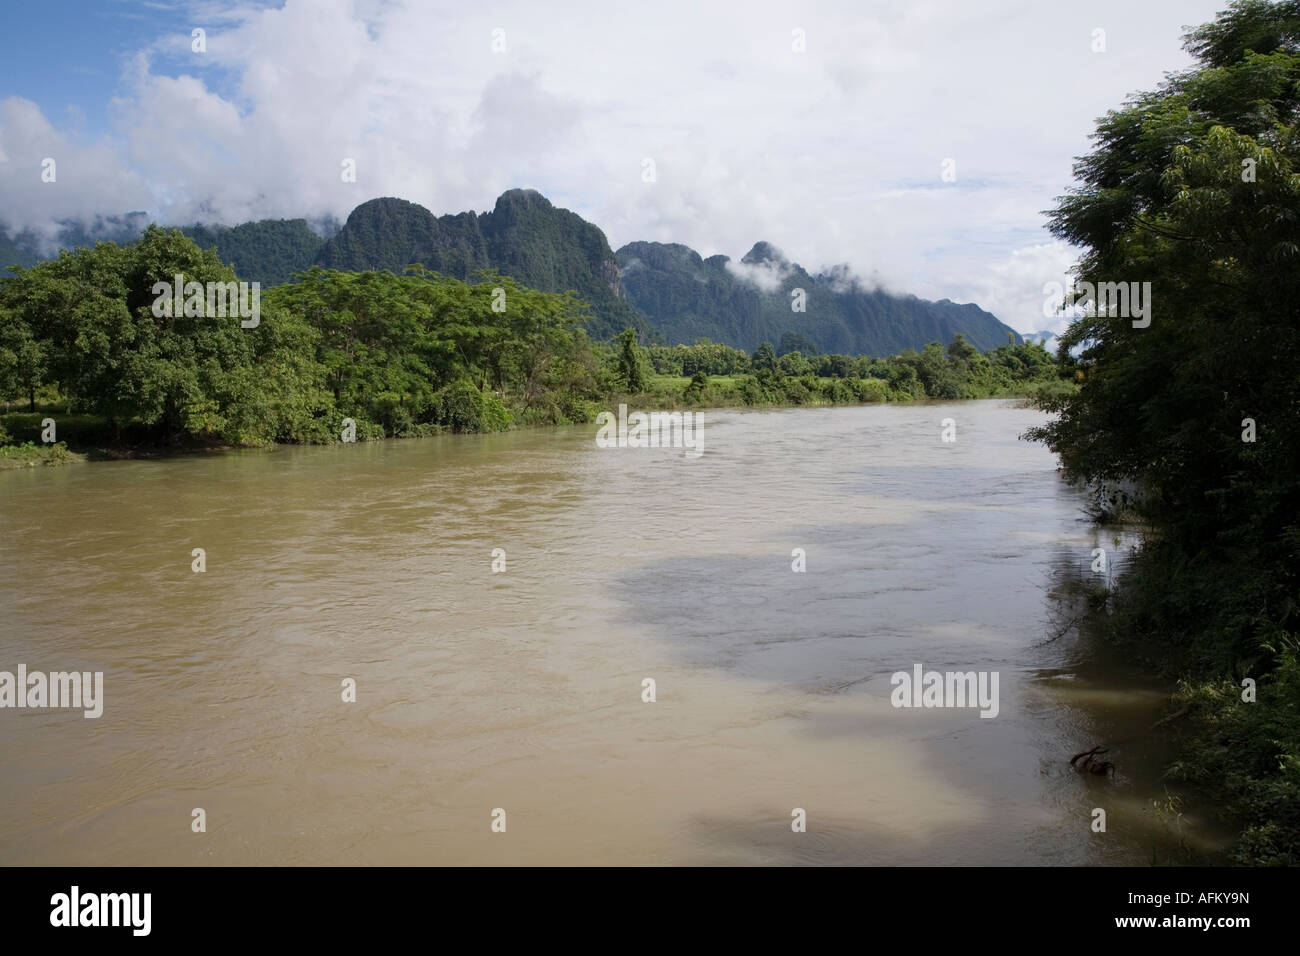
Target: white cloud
(767, 274)
(81, 173)
(1013, 287)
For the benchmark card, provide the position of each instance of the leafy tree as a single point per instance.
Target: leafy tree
(961, 351)
(629, 362)
(697, 387)
(23, 359)
(764, 358)
(795, 342)
(793, 363)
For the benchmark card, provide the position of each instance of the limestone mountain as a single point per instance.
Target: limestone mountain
(688, 297)
(665, 291)
(524, 237)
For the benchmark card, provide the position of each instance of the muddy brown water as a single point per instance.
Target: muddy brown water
(522, 690)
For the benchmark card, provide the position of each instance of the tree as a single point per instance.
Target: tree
(22, 360)
(764, 358)
(629, 362)
(959, 350)
(793, 363)
(795, 342)
(696, 388)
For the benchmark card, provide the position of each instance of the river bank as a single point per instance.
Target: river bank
(87, 437)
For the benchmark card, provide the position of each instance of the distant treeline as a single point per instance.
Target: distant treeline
(957, 371)
(400, 355)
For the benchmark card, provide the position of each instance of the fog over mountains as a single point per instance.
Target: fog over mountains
(666, 291)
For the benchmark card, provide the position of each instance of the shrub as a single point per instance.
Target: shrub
(463, 408)
(872, 390)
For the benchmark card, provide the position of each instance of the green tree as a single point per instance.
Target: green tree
(629, 362)
(23, 360)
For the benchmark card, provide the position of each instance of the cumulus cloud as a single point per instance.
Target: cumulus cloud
(1014, 287)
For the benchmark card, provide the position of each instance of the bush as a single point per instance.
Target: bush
(463, 408)
(697, 388)
(751, 392)
(1247, 755)
(872, 390)
(395, 418)
(840, 391)
(30, 453)
(79, 430)
(797, 392)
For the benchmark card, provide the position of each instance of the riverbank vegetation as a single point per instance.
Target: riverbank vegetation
(397, 355)
(27, 454)
(1190, 423)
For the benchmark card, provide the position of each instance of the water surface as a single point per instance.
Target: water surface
(522, 690)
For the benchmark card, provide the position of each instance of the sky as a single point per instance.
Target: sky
(823, 128)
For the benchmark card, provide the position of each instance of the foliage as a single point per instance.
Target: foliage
(29, 454)
(394, 353)
(269, 251)
(1194, 188)
(629, 362)
(398, 355)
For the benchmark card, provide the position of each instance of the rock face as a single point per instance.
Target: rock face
(26, 248)
(689, 298)
(744, 304)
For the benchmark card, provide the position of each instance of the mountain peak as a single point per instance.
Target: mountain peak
(765, 252)
(523, 197)
(386, 205)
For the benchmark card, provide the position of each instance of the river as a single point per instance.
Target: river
(523, 689)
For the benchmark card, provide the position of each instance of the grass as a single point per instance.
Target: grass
(29, 455)
(78, 430)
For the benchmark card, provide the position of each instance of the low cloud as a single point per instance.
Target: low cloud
(768, 274)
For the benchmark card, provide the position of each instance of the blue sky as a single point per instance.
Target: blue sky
(832, 152)
(67, 56)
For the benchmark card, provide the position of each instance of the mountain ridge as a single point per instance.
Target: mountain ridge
(668, 292)
(690, 297)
